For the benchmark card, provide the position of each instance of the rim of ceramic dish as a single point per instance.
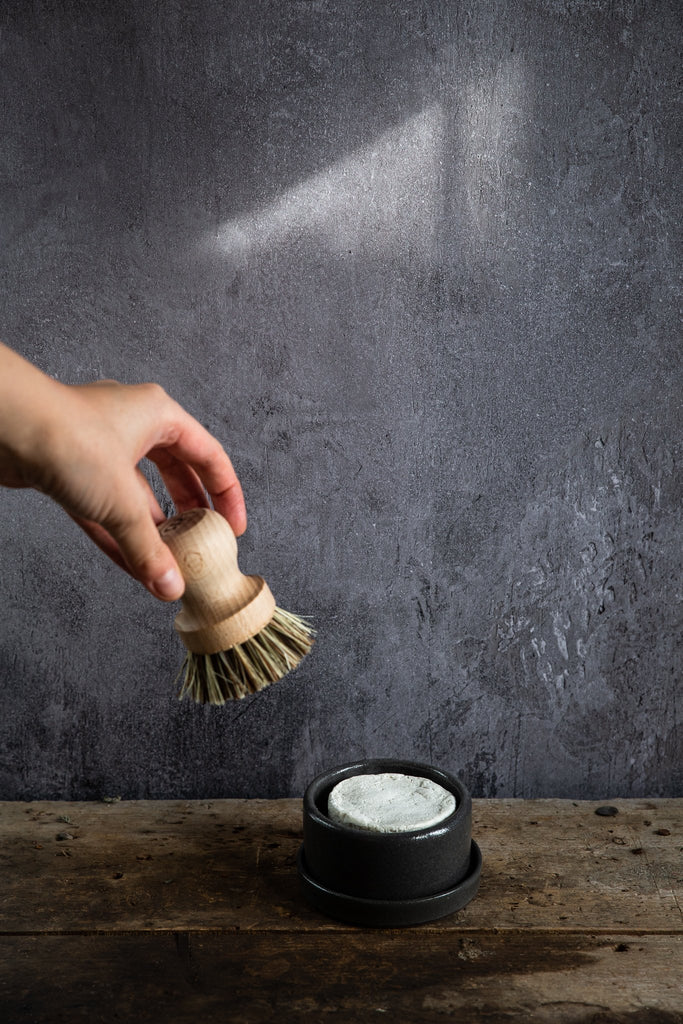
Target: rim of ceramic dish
(319, 789)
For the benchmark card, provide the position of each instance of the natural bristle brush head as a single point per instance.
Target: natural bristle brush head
(247, 667)
(237, 640)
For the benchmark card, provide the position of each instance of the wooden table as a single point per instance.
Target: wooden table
(192, 911)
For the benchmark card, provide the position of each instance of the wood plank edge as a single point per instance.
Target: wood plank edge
(338, 929)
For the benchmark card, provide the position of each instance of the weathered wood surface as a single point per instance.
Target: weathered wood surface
(148, 865)
(400, 976)
(178, 909)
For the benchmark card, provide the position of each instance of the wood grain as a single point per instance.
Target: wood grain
(420, 976)
(222, 864)
(174, 909)
(220, 606)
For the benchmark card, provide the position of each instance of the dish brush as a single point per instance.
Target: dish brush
(237, 639)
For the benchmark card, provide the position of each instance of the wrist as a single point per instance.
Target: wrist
(29, 404)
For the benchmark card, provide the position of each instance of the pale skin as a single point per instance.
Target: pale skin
(82, 445)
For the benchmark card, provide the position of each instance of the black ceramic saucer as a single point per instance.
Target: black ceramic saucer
(391, 913)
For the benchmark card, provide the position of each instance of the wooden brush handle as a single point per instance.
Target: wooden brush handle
(221, 606)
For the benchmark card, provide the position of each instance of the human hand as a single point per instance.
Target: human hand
(82, 445)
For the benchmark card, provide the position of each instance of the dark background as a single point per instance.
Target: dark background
(415, 264)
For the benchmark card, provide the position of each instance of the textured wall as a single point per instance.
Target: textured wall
(415, 265)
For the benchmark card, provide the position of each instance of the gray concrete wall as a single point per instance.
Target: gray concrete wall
(415, 264)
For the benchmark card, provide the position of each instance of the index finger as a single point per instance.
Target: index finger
(193, 445)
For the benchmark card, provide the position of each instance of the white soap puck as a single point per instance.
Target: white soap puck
(389, 802)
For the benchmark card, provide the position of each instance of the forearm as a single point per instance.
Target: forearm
(29, 404)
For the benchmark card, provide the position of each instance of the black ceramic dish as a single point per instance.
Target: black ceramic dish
(387, 879)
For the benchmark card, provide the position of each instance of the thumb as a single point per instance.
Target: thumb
(148, 559)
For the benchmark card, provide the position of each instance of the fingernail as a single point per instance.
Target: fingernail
(170, 586)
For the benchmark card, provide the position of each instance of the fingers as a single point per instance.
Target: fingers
(193, 462)
(112, 501)
(152, 503)
(145, 554)
(104, 541)
(129, 536)
(230, 503)
(181, 481)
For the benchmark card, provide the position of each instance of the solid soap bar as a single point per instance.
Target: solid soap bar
(389, 802)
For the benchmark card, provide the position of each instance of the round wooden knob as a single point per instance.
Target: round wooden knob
(221, 606)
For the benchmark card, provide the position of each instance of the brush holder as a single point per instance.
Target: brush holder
(221, 606)
(387, 878)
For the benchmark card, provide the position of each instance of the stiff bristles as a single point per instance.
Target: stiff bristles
(248, 667)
